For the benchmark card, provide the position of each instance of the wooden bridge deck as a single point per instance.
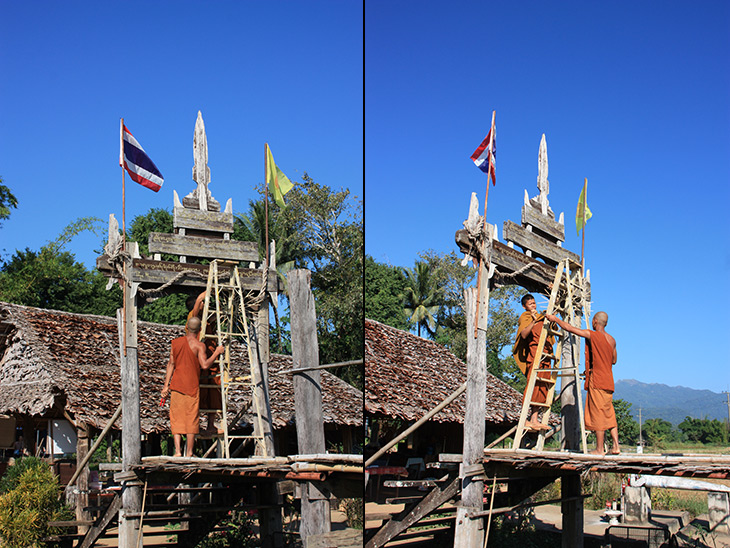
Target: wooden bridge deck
(668, 464)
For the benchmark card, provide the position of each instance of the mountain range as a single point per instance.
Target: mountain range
(671, 403)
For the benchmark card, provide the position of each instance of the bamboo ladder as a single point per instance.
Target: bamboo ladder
(232, 321)
(562, 301)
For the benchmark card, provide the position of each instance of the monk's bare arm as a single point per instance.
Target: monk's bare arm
(199, 305)
(206, 363)
(585, 333)
(168, 375)
(525, 333)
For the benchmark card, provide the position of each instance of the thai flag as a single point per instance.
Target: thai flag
(137, 163)
(485, 156)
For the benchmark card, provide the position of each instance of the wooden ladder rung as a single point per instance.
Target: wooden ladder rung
(546, 381)
(539, 404)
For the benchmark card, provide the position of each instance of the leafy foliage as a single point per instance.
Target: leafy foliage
(628, 428)
(29, 505)
(12, 475)
(155, 220)
(704, 430)
(384, 285)
(51, 278)
(331, 229)
(658, 432)
(422, 297)
(238, 533)
(7, 200)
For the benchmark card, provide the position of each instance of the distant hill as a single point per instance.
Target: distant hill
(671, 403)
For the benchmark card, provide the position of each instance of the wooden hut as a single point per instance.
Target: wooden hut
(60, 371)
(407, 376)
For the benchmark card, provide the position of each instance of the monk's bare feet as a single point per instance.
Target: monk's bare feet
(597, 452)
(615, 452)
(177, 455)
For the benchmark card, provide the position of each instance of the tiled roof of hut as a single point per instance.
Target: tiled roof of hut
(407, 376)
(57, 359)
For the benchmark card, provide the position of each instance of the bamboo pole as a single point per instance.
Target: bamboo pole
(583, 239)
(484, 221)
(96, 445)
(455, 394)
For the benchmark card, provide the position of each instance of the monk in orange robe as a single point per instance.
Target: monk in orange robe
(600, 358)
(528, 336)
(182, 378)
(210, 396)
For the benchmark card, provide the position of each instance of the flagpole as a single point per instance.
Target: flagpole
(124, 231)
(266, 203)
(583, 242)
(490, 156)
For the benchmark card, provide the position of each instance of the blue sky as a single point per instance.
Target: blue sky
(633, 96)
(287, 73)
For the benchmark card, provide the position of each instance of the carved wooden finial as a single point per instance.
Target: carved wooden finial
(201, 197)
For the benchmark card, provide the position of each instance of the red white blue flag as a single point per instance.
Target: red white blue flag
(139, 166)
(485, 156)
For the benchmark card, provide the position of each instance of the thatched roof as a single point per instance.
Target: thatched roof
(51, 360)
(407, 376)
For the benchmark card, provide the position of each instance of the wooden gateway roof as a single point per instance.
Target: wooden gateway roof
(52, 361)
(406, 376)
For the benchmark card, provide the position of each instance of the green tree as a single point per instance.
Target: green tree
(331, 229)
(628, 428)
(657, 431)
(155, 220)
(703, 430)
(170, 309)
(384, 286)
(422, 297)
(51, 278)
(7, 200)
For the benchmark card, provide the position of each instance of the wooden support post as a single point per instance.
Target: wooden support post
(270, 517)
(131, 428)
(469, 532)
(82, 483)
(570, 437)
(308, 399)
(572, 511)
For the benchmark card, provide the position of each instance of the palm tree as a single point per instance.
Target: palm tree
(422, 297)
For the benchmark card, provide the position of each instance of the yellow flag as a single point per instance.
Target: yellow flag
(583, 213)
(278, 183)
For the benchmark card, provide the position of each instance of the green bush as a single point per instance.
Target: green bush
(28, 506)
(12, 475)
(237, 533)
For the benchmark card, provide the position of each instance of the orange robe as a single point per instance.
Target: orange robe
(524, 351)
(184, 390)
(599, 415)
(210, 398)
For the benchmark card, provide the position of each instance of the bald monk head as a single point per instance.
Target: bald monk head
(601, 318)
(193, 325)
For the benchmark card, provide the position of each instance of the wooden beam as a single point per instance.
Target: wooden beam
(212, 221)
(537, 277)
(546, 225)
(93, 534)
(150, 273)
(414, 513)
(194, 246)
(307, 398)
(539, 246)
